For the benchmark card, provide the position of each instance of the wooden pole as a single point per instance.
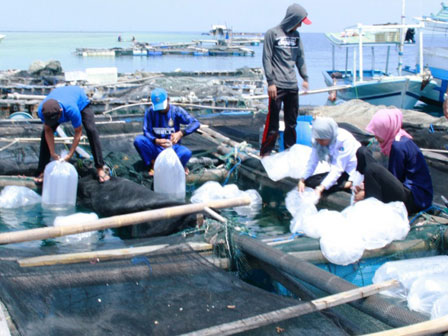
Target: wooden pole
(118, 221)
(419, 329)
(411, 246)
(72, 258)
(17, 181)
(294, 311)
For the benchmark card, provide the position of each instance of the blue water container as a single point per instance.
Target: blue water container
(303, 132)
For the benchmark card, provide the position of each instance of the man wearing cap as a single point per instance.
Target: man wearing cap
(161, 129)
(64, 104)
(283, 50)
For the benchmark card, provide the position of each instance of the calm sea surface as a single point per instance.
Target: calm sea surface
(19, 49)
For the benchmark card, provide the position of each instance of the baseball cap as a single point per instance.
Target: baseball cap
(159, 99)
(51, 110)
(306, 21)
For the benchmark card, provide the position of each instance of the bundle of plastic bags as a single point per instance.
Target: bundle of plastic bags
(212, 190)
(15, 197)
(368, 224)
(77, 219)
(423, 282)
(290, 163)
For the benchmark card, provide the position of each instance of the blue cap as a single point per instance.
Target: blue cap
(159, 99)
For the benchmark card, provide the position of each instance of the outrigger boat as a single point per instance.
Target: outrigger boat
(374, 86)
(435, 57)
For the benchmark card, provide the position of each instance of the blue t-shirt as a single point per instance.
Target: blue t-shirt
(162, 125)
(407, 163)
(72, 99)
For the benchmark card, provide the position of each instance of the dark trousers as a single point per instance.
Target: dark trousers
(290, 100)
(380, 183)
(88, 121)
(315, 180)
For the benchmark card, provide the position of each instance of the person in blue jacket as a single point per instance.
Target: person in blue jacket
(407, 178)
(161, 129)
(68, 104)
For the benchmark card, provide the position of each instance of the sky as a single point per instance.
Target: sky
(199, 15)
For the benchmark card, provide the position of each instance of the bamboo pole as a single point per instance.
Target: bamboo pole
(294, 311)
(22, 181)
(308, 92)
(217, 174)
(375, 305)
(419, 329)
(72, 258)
(416, 245)
(117, 221)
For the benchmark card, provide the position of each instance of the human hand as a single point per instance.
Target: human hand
(67, 157)
(318, 190)
(165, 143)
(301, 186)
(359, 192)
(445, 108)
(305, 85)
(360, 195)
(272, 91)
(55, 156)
(175, 137)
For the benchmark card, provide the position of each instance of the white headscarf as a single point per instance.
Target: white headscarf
(324, 128)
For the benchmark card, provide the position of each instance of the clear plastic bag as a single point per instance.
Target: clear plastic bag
(169, 175)
(60, 185)
(290, 163)
(440, 307)
(15, 197)
(409, 270)
(425, 291)
(77, 219)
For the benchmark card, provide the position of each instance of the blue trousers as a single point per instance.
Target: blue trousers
(149, 151)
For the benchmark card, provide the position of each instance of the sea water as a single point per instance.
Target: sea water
(19, 50)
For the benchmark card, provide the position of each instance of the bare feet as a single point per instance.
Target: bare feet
(39, 179)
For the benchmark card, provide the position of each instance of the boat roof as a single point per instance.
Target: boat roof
(351, 38)
(439, 21)
(442, 15)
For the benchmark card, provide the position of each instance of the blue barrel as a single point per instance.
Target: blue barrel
(303, 131)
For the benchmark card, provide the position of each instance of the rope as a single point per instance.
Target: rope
(9, 145)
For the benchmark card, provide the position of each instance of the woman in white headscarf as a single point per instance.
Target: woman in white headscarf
(337, 147)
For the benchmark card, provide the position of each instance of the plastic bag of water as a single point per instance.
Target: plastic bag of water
(169, 175)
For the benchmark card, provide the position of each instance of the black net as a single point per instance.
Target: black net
(168, 292)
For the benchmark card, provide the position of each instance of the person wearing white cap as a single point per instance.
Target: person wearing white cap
(161, 129)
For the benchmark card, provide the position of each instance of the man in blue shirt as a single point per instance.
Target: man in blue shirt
(64, 104)
(161, 129)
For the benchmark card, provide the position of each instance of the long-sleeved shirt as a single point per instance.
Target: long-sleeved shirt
(162, 125)
(72, 100)
(407, 163)
(283, 49)
(343, 154)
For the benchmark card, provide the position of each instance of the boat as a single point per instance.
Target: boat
(2, 37)
(377, 87)
(435, 57)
